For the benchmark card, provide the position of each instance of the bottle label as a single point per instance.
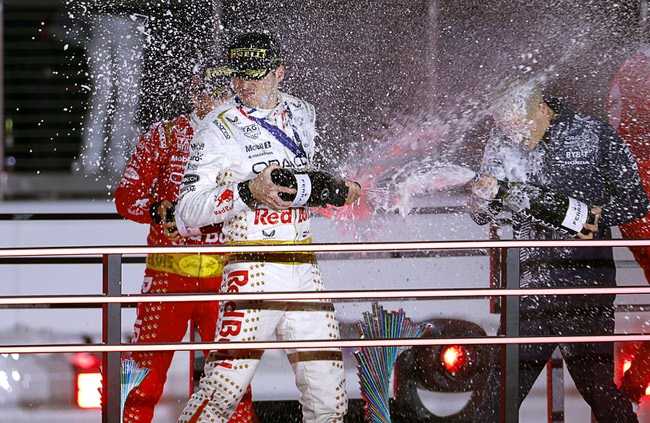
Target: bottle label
(303, 186)
(576, 215)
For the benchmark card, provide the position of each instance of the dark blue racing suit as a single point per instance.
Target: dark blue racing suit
(584, 158)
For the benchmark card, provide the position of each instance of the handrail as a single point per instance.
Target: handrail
(275, 345)
(331, 295)
(112, 260)
(23, 216)
(325, 247)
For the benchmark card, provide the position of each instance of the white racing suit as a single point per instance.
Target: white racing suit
(228, 149)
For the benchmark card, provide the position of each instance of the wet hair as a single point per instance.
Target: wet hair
(518, 100)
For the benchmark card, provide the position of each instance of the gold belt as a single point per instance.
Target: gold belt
(289, 258)
(194, 265)
(296, 357)
(285, 305)
(282, 257)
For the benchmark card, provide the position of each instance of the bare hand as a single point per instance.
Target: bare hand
(596, 211)
(354, 191)
(266, 192)
(486, 187)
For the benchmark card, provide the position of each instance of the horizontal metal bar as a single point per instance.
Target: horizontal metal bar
(59, 216)
(116, 216)
(618, 308)
(348, 247)
(333, 295)
(354, 343)
(376, 255)
(66, 260)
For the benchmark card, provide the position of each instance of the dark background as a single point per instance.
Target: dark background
(377, 71)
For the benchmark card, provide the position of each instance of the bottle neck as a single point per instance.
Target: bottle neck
(503, 189)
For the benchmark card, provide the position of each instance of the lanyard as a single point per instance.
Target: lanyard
(279, 134)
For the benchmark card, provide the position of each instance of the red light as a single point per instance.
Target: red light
(626, 365)
(88, 381)
(85, 361)
(88, 386)
(454, 358)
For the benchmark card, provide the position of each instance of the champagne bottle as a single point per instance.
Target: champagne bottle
(551, 209)
(315, 188)
(188, 232)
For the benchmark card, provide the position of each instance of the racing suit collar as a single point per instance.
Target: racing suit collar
(261, 113)
(195, 120)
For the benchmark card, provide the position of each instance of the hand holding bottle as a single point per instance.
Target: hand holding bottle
(589, 229)
(282, 188)
(551, 209)
(163, 213)
(354, 191)
(485, 187)
(265, 191)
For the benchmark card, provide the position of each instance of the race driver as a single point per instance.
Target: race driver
(149, 187)
(228, 180)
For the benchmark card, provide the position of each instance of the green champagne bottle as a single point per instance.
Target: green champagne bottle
(551, 209)
(315, 188)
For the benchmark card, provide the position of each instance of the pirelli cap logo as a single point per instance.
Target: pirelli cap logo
(218, 71)
(253, 56)
(253, 53)
(215, 80)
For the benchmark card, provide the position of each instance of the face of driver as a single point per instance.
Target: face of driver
(523, 116)
(260, 93)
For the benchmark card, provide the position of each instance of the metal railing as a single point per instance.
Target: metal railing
(112, 299)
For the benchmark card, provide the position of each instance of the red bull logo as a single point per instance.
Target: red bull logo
(269, 217)
(224, 202)
(231, 319)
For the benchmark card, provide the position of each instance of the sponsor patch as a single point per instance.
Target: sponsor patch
(225, 197)
(258, 146)
(131, 173)
(267, 217)
(222, 128)
(248, 52)
(251, 131)
(191, 178)
(196, 157)
(185, 190)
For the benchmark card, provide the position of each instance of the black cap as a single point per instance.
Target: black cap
(253, 55)
(214, 75)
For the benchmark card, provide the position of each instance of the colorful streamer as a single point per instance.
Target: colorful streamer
(376, 363)
(130, 377)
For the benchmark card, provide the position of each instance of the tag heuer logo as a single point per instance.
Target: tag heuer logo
(251, 131)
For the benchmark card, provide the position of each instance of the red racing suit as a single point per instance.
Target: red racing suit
(153, 174)
(234, 145)
(628, 104)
